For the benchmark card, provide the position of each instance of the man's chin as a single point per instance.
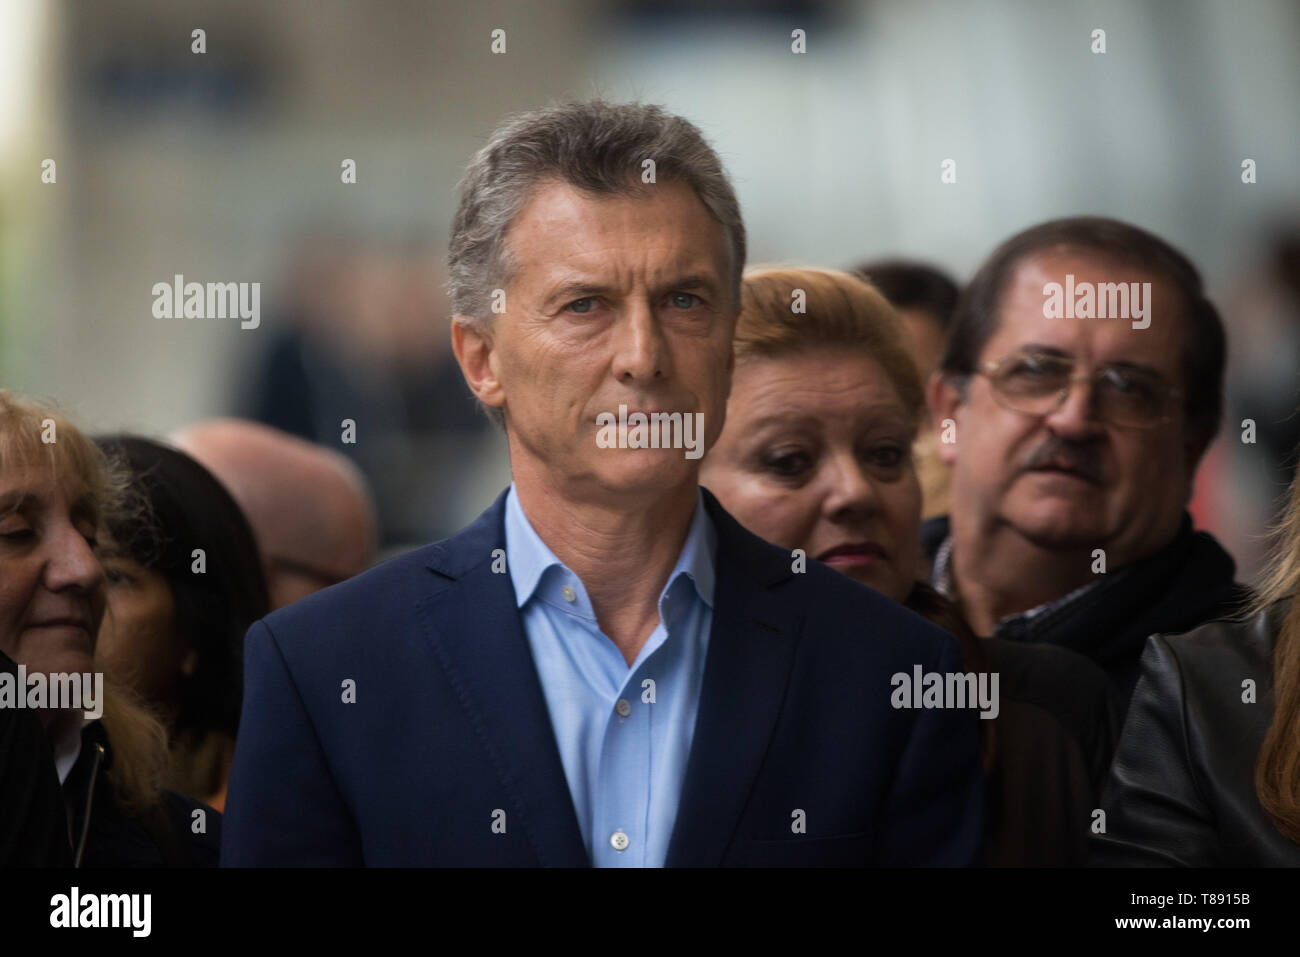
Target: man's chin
(64, 662)
(637, 471)
(1060, 528)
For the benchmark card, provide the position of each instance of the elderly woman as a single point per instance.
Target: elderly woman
(816, 454)
(1207, 772)
(56, 491)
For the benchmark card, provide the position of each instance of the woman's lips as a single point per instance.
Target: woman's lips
(69, 628)
(857, 554)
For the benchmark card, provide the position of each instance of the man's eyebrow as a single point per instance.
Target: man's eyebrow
(1134, 367)
(1039, 348)
(692, 281)
(569, 290)
(573, 289)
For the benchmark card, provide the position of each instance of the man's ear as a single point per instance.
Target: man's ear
(471, 341)
(944, 394)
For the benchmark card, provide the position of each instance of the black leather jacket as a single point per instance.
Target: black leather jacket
(105, 834)
(1182, 786)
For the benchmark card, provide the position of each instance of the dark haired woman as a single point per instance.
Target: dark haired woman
(184, 583)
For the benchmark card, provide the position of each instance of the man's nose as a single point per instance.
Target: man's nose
(1077, 415)
(640, 351)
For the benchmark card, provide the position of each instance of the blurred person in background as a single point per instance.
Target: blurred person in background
(1207, 772)
(1075, 446)
(310, 507)
(57, 493)
(1257, 455)
(360, 340)
(816, 454)
(176, 619)
(925, 298)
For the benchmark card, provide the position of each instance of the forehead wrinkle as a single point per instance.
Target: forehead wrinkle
(1104, 340)
(815, 371)
(589, 231)
(623, 279)
(878, 400)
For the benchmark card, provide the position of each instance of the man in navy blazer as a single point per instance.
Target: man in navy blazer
(605, 668)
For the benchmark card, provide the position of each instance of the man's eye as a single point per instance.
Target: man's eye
(1033, 367)
(1129, 384)
(684, 300)
(585, 304)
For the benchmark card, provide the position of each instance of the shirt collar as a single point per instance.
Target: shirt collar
(67, 749)
(529, 558)
(942, 579)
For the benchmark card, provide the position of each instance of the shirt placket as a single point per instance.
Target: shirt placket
(624, 778)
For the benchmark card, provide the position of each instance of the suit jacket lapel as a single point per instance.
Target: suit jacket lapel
(478, 636)
(751, 650)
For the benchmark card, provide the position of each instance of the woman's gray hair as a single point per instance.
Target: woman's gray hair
(595, 146)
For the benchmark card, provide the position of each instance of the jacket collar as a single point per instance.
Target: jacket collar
(1188, 581)
(477, 635)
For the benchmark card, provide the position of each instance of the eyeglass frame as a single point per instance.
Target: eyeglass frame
(990, 367)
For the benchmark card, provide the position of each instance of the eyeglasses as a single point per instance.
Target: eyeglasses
(1037, 383)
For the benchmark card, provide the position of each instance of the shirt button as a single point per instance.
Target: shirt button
(623, 708)
(619, 841)
(568, 593)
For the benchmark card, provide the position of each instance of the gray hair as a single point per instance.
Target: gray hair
(595, 146)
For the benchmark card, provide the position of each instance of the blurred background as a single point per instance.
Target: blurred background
(226, 166)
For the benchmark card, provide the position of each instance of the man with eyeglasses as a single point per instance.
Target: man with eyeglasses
(1074, 443)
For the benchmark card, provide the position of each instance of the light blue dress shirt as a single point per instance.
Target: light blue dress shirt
(624, 734)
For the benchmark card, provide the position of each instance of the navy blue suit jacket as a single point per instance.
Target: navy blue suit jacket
(449, 726)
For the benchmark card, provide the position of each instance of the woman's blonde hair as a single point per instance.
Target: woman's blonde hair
(34, 435)
(1277, 769)
(140, 761)
(839, 311)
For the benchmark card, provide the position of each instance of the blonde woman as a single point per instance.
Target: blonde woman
(816, 454)
(56, 492)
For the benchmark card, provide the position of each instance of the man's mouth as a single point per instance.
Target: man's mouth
(1066, 468)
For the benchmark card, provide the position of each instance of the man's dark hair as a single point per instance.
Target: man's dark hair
(1205, 345)
(913, 285)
